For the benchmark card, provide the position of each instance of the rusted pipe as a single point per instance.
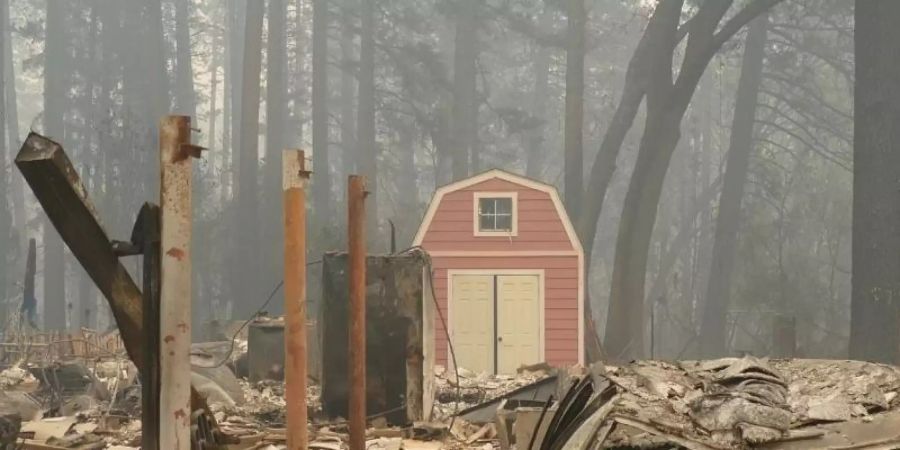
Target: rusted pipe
(356, 193)
(294, 179)
(175, 285)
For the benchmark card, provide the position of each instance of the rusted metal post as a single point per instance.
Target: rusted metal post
(175, 284)
(356, 194)
(295, 176)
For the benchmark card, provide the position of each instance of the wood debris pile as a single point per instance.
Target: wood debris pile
(731, 404)
(262, 408)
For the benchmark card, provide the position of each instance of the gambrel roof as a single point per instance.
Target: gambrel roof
(505, 176)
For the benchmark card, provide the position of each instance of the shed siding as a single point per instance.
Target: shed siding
(539, 226)
(560, 300)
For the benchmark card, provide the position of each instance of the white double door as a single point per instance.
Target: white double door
(495, 321)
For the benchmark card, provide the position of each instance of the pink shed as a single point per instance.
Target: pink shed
(508, 273)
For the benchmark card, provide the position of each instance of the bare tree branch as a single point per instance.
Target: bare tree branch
(740, 19)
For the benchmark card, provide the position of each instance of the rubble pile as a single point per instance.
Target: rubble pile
(263, 405)
(72, 404)
(475, 388)
(731, 403)
(825, 391)
(743, 403)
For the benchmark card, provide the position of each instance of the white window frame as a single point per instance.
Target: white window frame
(476, 220)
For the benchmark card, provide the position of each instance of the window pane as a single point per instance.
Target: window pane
(504, 205)
(487, 206)
(495, 214)
(486, 223)
(504, 222)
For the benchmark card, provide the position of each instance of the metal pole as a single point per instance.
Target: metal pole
(295, 177)
(356, 193)
(175, 284)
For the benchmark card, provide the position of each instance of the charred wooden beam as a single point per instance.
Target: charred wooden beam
(59, 189)
(146, 237)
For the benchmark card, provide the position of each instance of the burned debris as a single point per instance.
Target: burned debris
(395, 296)
(96, 390)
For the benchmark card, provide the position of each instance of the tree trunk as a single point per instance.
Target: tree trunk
(712, 331)
(236, 72)
(348, 89)
(440, 132)
(465, 109)
(29, 300)
(276, 95)
(875, 295)
(666, 104)
(365, 131)
(686, 232)
(236, 19)
(213, 114)
(87, 156)
(625, 323)
(633, 93)
(705, 107)
(231, 104)
(574, 157)
(54, 310)
(247, 202)
(185, 98)
(158, 98)
(106, 108)
(185, 102)
(12, 122)
(276, 115)
(407, 183)
(226, 96)
(534, 162)
(6, 238)
(322, 180)
(299, 81)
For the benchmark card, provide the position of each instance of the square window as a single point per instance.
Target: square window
(495, 214)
